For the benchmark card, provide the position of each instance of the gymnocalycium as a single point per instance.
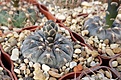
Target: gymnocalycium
(47, 46)
(16, 13)
(108, 27)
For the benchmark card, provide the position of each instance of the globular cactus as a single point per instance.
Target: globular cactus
(17, 14)
(47, 46)
(107, 27)
(68, 3)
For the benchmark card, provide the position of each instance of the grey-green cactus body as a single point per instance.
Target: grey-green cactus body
(108, 27)
(49, 47)
(18, 16)
(95, 26)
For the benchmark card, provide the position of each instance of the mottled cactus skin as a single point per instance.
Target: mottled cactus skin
(68, 3)
(17, 15)
(46, 46)
(107, 27)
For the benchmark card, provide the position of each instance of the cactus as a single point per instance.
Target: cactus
(17, 14)
(107, 27)
(47, 46)
(68, 3)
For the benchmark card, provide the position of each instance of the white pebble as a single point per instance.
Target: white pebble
(89, 59)
(72, 64)
(77, 51)
(17, 71)
(15, 54)
(45, 67)
(36, 65)
(112, 46)
(114, 63)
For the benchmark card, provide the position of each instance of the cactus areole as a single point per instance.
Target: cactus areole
(47, 46)
(18, 14)
(108, 27)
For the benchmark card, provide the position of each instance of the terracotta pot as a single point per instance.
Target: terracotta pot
(7, 64)
(76, 74)
(113, 59)
(79, 75)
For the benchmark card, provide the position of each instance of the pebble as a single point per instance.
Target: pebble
(52, 78)
(36, 65)
(109, 52)
(22, 67)
(45, 67)
(119, 60)
(60, 16)
(12, 41)
(93, 63)
(112, 46)
(31, 64)
(72, 64)
(119, 68)
(89, 59)
(117, 50)
(114, 63)
(94, 53)
(77, 51)
(26, 61)
(17, 71)
(1, 39)
(108, 74)
(21, 36)
(38, 74)
(54, 74)
(84, 32)
(15, 54)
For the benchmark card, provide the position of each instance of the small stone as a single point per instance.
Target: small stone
(117, 50)
(52, 78)
(21, 36)
(1, 39)
(67, 70)
(27, 71)
(72, 64)
(16, 35)
(36, 65)
(109, 52)
(54, 74)
(31, 64)
(84, 32)
(1, 69)
(17, 71)
(112, 46)
(108, 74)
(119, 68)
(45, 67)
(26, 61)
(119, 60)
(77, 46)
(114, 63)
(94, 53)
(93, 63)
(38, 75)
(75, 56)
(23, 67)
(12, 41)
(15, 54)
(77, 51)
(9, 35)
(106, 41)
(89, 59)
(60, 16)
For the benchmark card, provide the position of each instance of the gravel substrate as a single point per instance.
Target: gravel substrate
(28, 70)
